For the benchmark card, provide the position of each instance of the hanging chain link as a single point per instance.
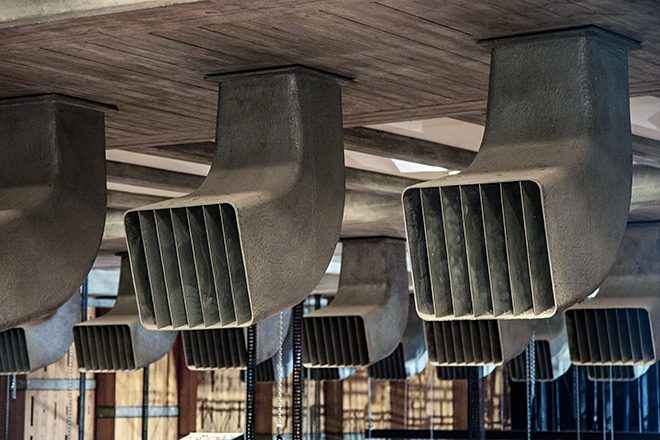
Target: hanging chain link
(69, 395)
(280, 377)
(530, 361)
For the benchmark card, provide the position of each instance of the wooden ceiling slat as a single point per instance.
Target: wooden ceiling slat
(412, 59)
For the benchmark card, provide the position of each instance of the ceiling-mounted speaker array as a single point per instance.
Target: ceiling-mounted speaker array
(552, 358)
(502, 239)
(366, 320)
(52, 199)
(462, 373)
(476, 342)
(256, 237)
(217, 349)
(116, 341)
(410, 356)
(40, 342)
(615, 373)
(621, 324)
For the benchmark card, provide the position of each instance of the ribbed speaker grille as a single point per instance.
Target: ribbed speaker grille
(453, 373)
(13, 351)
(543, 361)
(479, 250)
(335, 341)
(616, 372)
(392, 367)
(463, 342)
(215, 349)
(610, 336)
(104, 347)
(188, 266)
(321, 374)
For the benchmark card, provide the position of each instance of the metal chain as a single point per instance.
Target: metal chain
(250, 383)
(145, 403)
(298, 379)
(280, 377)
(69, 396)
(530, 388)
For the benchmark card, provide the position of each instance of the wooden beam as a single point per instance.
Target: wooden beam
(418, 112)
(333, 407)
(460, 405)
(382, 143)
(138, 175)
(264, 422)
(398, 404)
(646, 149)
(186, 384)
(104, 397)
(126, 200)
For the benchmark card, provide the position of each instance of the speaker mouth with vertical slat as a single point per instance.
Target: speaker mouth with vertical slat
(335, 341)
(259, 232)
(463, 343)
(615, 373)
(460, 373)
(610, 336)
(393, 367)
(104, 347)
(507, 237)
(480, 249)
(194, 256)
(225, 348)
(215, 349)
(543, 361)
(14, 357)
(329, 374)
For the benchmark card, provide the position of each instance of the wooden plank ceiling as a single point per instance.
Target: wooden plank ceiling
(411, 59)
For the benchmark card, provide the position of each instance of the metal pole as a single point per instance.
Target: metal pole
(475, 405)
(251, 384)
(84, 291)
(145, 403)
(298, 383)
(317, 386)
(7, 403)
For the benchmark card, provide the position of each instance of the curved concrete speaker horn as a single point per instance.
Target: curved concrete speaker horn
(615, 373)
(52, 201)
(256, 237)
(508, 237)
(40, 342)
(366, 320)
(475, 343)
(216, 349)
(621, 325)
(330, 374)
(116, 341)
(410, 356)
(552, 358)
